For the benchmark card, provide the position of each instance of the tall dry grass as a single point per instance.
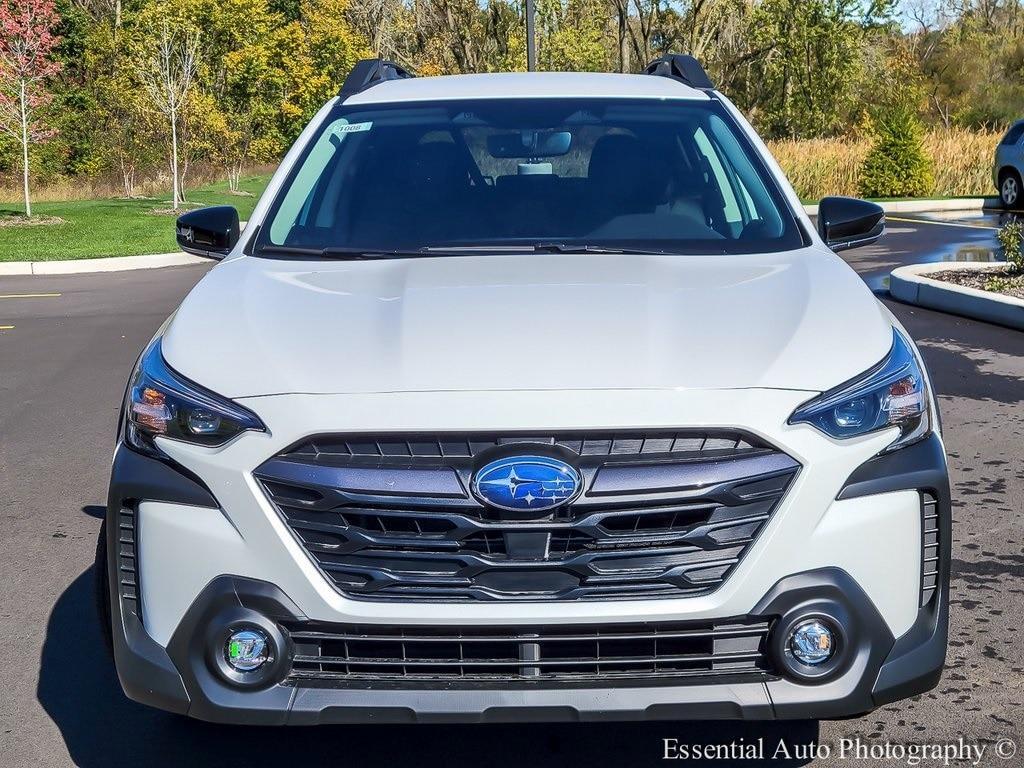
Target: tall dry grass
(963, 161)
(156, 184)
(820, 167)
(64, 189)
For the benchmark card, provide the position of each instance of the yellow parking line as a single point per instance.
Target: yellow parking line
(938, 223)
(6, 327)
(28, 295)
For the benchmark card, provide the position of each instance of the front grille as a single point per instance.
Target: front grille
(127, 570)
(691, 651)
(662, 514)
(929, 547)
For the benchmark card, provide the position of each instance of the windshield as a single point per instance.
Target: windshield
(552, 174)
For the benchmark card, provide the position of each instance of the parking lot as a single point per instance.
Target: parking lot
(66, 346)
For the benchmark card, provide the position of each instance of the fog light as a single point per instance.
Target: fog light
(247, 650)
(812, 643)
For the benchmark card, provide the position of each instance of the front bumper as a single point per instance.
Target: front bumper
(878, 667)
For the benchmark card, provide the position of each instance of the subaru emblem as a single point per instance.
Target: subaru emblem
(526, 483)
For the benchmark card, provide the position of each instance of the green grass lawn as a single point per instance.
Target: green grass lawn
(96, 228)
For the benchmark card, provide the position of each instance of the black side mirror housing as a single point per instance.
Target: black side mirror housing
(210, 232)
(847, 222)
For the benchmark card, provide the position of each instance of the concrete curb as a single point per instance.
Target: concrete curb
(110, 264)
(912, 285)
(106, 264)
(929, 206)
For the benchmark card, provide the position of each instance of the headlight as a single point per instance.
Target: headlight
(892, 394)
(161, 403)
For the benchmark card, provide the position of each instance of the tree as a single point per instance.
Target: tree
(244, 82)
(26, 47)
(571, 36)
(250, 105)
(897, 165)
(381, 23)
(167, 71)
(804, 82)
(314, 55)
(103, 12)
(130, 135)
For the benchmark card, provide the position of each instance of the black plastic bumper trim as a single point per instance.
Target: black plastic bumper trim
(134, 476)
(874, 654)
(921, 466)
(146, 672)
(846, 690)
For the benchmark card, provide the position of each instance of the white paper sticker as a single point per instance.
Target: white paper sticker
(353, 128)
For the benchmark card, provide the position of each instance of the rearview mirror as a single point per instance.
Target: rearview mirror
(529, 143)
(210, 232)
(847, 222)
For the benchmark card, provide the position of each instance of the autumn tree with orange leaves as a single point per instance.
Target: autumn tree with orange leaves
(27, 41)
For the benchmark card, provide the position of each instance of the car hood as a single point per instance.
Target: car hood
(799, 320)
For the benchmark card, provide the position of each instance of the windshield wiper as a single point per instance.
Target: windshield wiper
(588, 248)
(455, 250)
(538, 248)
(352, 254)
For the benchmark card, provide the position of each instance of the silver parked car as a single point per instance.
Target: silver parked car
(1009, 166)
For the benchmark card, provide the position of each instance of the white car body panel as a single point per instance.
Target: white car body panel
(264, 326)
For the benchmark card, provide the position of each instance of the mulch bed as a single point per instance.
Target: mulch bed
(182, 208)
(20, 220)
(1010, 284)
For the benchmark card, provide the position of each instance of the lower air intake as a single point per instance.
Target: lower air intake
(127, 565)
(687, 651)
(929, 547)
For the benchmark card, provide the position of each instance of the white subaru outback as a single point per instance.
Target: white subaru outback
(528, 397)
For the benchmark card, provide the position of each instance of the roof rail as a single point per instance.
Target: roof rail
(681, 66)
(368, 73)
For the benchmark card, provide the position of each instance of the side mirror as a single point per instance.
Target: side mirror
(846, 222)
(210, 232)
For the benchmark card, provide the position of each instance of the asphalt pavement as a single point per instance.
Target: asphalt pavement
(66, 347)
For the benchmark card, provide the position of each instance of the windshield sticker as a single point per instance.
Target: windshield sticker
(353, 128)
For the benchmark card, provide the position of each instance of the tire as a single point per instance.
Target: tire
(1011, 191)
(102, 588)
